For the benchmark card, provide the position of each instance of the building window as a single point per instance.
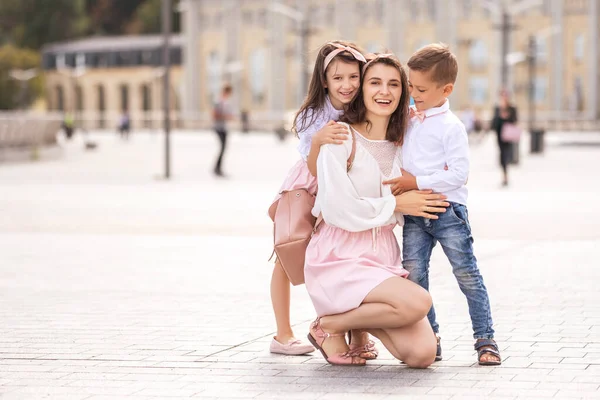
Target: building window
(247, 17)
(261, 18)
(60, 98)
(478, 90)
(431, 9)
(414, 9)
(101, 105)
(146, 93)
(540, 89)
(379, 11)
(79, 98)
(467, 8)
(541, 50)
(124, 91)
(257, 75)
(579, 47)
(478, 54)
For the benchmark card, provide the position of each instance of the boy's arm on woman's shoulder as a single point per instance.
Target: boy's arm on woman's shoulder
(456, 150)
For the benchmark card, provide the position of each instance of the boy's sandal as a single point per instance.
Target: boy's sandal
(317, 336)
(367, 351)
(487, 346)
(438, 350)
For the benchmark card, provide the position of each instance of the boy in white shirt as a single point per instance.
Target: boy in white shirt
(436, 156)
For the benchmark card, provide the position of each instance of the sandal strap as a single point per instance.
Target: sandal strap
(487, 350)
(486, 342)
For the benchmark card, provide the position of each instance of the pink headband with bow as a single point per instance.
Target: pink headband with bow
(340, 49)
(386, 55)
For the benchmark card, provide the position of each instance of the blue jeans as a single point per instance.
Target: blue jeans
(453, 231)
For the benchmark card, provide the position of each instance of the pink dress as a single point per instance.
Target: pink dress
(299, 177)
(354, 249)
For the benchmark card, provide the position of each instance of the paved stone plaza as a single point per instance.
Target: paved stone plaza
(115, 283)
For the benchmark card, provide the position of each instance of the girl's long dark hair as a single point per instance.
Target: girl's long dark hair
(356, 111)
(317, 93)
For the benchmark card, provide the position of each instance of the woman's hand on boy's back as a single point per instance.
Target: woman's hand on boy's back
(331, 133)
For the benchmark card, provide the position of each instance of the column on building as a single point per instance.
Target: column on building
(277, 82)
(558, 103)
(233, 63)
(395, 17)
(346, 19)
(191, 66)
(594, 71)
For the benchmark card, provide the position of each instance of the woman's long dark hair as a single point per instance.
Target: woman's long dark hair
(317, 93)
(356, 111)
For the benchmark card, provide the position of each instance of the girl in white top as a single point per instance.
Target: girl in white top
(335, 81)
(353, 268)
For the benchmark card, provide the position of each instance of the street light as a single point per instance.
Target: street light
(166, 28)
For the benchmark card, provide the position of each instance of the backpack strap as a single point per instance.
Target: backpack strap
(353, 151)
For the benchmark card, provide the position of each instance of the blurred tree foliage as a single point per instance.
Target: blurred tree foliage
(27, 25)
(13, 93)
(32, 23)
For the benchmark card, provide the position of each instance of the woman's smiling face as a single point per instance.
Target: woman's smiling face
(382, 89)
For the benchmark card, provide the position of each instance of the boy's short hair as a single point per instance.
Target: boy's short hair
(227, 89)
(438, 59)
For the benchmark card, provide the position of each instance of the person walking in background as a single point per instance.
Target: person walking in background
(222, 112)
(335, 82)
(504, 112)
(124, 124)
(436, 152)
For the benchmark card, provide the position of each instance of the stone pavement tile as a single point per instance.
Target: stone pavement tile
(573, 386)
(563, 366)
(149, 377)
(41, 381)
(6, 368)
(95, 376)
(526, 393)
(445, 383)
(567, 394)
(317, 373)
(35, 375)
(591, 358)
(28, 396)
(417, 397)
(472, 391)
(466, 376)
(349, 396)
(291, 396)
(227, 393)
(239, 372)
(267, 379)
(506, 384)
(96, 383)
(178, 364)
(165, 393)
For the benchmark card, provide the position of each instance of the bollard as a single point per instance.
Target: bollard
(537, 141)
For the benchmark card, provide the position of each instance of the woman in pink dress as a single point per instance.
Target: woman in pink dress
(353, 263)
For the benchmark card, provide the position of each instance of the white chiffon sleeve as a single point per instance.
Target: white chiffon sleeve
(339, 202)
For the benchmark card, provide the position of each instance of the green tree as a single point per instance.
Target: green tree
(13, 93)
(32, 23)
(147, 18)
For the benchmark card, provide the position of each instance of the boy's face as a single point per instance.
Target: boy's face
(343, 81)
(425, 92)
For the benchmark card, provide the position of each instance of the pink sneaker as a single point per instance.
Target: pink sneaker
(294, 347)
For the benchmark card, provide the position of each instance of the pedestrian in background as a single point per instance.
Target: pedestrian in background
(504, 113)
(222, 112)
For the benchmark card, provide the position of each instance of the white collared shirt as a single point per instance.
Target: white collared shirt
(429, 146)
(321, 118)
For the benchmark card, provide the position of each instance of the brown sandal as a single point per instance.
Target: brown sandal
(487, 346)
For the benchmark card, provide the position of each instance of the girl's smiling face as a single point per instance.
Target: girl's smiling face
(343, 81)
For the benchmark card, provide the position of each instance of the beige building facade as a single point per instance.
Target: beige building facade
(98, 79)
(257, 46)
